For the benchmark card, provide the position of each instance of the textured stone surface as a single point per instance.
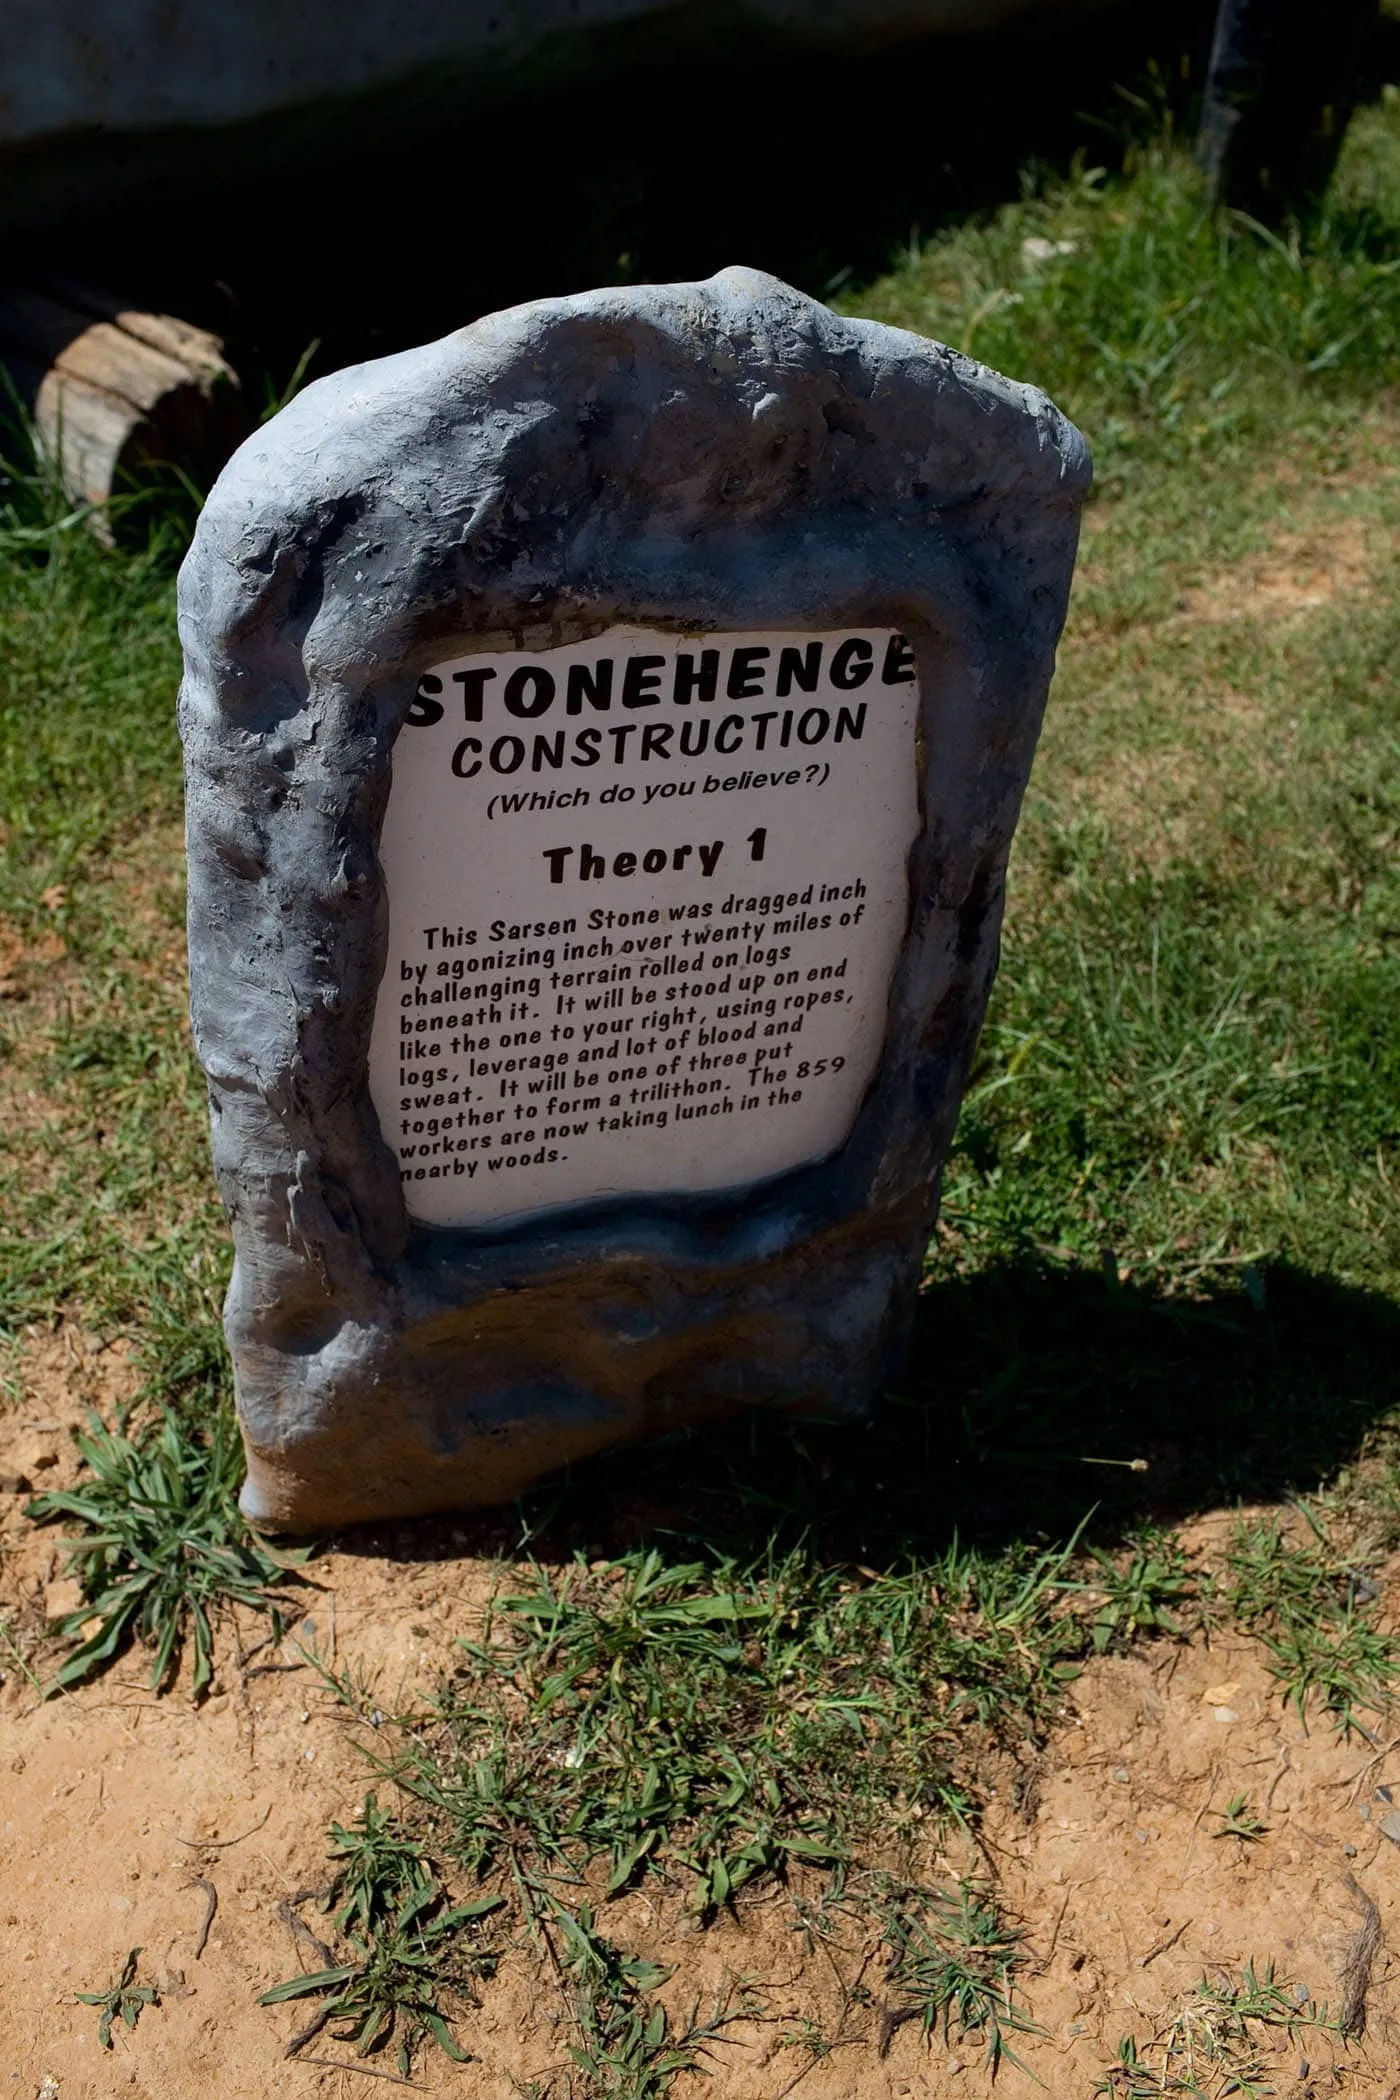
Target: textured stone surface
(726, 456)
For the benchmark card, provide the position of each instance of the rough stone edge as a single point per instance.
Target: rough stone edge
(330, 1280)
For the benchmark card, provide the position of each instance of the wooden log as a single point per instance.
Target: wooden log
(112, 392)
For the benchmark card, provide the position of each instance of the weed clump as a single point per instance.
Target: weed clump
(1315, 1617)
(123, 2000)
(162, 1551)
(954, 1961)
(411, 1951)
(1217, 2043)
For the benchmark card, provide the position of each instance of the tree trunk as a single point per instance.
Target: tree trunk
(1283, 81)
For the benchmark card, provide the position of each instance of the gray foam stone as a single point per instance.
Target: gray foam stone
(726, 455)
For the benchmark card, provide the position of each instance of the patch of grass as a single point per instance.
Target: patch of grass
(954, 1962)
(88, 667)
(1217, 2043)
(625, 2046)
(1240, 1821)
(701, 1727)
(1315, 1616)
(411, 1951)
(1167, 331)
(393, 1987)
(1149, 1591)
(1368, 181)
(710, 1724)
(1190, 1057)
(108, 1213)
(1173, 1063)
(162, 1549)
(123, 2000)
(413, 1954)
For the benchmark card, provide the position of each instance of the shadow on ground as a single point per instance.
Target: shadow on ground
(684, 145)
(1033, 1396)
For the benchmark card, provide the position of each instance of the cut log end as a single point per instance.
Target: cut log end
(113, 393)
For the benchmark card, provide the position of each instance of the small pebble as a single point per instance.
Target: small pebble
(1348, 1851)
(1365, 1811)
(1389, 1825)
(1383, 1793)
(1224, 1714)
(1141, 1836)
(1076, 2027)
(1121, 1775)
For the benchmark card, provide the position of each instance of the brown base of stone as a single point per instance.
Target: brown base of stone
(474, 1406)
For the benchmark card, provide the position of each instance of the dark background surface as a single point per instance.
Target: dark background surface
(381, 224)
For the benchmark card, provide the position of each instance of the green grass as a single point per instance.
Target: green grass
(410, 1951)
(1170, 334)
(104, 1182)
(1167, 1278)
(1311, 1610)
(161, 1550)
(413, 1956)
(1194, 1038)
(125, 1999)
(710, 1724)
(953, 1964)
(1238, 1820)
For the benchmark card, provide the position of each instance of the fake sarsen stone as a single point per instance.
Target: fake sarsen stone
(604, 733)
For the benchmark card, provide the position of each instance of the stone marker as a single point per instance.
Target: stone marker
(604, 730)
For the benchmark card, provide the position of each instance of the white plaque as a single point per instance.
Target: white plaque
(646, 894)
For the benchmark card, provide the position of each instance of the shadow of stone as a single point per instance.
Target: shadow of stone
(1033, 1395)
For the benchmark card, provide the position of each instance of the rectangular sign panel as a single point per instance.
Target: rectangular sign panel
(646, 894)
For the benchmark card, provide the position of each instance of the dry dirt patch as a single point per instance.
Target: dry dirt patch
(1299, 574)
(21, 960)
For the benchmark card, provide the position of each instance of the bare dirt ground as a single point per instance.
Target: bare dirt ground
(127, 1817)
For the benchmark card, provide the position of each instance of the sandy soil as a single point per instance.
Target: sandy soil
(119, 1808)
